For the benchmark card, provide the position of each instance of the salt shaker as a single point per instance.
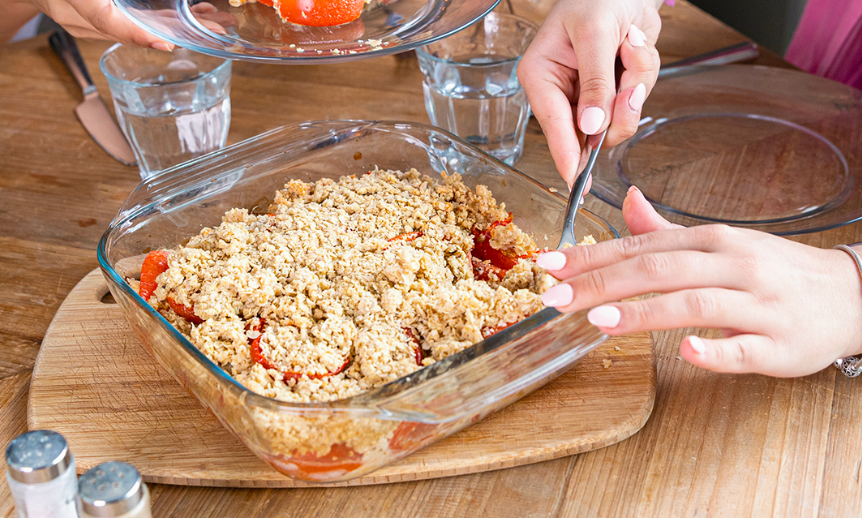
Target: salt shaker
(41, 474)
(113, 489)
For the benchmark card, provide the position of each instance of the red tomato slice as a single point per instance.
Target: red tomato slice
(258, 357)
(340, 459)
(488, 331)
(502, 260)
(483, 270)
(288, 375)
(418, 352)
(154, 265)
(410, 436)
(318, 13)
(184, 311)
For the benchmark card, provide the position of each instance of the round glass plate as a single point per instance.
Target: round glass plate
(255, 32)
(771, 149)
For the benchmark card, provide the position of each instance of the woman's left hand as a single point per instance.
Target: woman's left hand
(786, 309)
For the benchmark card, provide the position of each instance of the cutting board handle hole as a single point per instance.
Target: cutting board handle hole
(106, 297)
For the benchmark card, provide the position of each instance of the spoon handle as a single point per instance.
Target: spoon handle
(568, 237)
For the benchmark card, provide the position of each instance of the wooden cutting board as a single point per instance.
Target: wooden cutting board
(96, 385)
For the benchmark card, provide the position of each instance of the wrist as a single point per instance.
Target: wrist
(853, 255)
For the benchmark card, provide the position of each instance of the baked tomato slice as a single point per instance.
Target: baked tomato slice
(410, 436)
(335, 464)
(154, 265)
(258, 357)
(318, 13)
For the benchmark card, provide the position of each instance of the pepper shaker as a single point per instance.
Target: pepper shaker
(41, 474)
(113, 490)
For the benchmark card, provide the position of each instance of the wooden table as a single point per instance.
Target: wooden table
(720, 445)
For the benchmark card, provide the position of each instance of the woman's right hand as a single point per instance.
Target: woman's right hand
(568, 74)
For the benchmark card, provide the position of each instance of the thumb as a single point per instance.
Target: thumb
(640, 216)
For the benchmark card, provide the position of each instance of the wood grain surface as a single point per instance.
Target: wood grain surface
(96, 385)
(715, 445)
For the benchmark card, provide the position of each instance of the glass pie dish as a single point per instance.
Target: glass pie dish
(343, 439)
(255, 32)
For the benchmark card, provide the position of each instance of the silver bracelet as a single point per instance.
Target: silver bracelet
(851, 366)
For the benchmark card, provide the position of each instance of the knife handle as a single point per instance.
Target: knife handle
(63, 44)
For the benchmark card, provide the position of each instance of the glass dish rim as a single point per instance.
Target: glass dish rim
(312, 58)
(352, 405)
(226, 63)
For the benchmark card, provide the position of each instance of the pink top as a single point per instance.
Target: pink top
(828, 41)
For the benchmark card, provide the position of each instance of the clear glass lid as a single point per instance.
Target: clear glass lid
(255, 32)
(772, 149)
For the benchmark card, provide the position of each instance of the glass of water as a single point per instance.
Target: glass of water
(172, 106)
(471, 87)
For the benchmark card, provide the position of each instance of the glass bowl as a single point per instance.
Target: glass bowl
(340, 440)
(254, 32)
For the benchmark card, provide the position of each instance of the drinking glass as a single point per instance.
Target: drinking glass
(471, 87)
(172, 106)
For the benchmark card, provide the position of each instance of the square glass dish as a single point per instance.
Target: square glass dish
(340, 440)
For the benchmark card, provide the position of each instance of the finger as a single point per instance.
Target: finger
(576, 260)
(596, 48)
(659, 272)
(742, 354)
(640, 216)
(641, 63)
(548, 78)
(706, 307)
(107, 19)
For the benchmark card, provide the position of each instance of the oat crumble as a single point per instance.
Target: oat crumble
(345, 286)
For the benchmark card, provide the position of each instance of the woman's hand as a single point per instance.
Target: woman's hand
(568, 73)
(786, 309)
(99, 19)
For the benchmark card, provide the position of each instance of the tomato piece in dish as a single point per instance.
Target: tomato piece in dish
(154, 265)
(317, 13)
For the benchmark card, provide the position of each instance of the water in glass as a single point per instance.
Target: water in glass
(485, 105)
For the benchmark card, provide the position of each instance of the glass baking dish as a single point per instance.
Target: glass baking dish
(340, 440)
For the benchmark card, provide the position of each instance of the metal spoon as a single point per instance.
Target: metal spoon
(568, 237)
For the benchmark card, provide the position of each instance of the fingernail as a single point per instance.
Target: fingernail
(636, 99)
(163, 45)
(633, 189)
(592, 119)
(604, 316)
(581, 201)
(559, 295)
(552, 261)
(636, 37)
(642, 33)
(696, 344)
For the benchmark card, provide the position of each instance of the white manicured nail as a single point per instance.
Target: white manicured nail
(592, 119)
(604, 316)
(697, 344)
(559, 295)
(636, 37)
(552, 261)
(636, 99)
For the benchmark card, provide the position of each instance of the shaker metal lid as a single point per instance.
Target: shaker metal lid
(110, 489)
(38, 456)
